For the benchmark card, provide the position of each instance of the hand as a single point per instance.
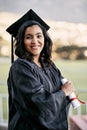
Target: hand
(67, 88)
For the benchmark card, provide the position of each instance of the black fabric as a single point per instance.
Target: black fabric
(35, 99)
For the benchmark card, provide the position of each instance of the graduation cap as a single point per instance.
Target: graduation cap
(13, 29)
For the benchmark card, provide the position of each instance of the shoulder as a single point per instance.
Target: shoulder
(22, 67)
(55, 69)
(21, 64)
(53, 65)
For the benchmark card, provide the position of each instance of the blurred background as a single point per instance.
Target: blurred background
(68, 29)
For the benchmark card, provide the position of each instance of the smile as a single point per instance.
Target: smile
(35, 47)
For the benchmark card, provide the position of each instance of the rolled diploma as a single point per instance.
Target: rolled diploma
(75, 103)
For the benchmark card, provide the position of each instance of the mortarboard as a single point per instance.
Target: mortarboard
(13, 29)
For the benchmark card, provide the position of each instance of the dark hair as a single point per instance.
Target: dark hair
(20, 50)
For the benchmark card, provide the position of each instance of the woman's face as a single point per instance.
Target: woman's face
(34, 40)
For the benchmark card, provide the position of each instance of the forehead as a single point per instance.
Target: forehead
(33, 29)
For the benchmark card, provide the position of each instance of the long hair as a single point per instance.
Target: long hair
(20, 50)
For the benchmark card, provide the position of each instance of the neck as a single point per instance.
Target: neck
(36, 61)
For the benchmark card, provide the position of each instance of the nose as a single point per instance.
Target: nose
(34, 40)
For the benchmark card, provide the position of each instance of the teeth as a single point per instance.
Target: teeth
(34, 46)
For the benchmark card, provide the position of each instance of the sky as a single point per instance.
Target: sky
(60, 10)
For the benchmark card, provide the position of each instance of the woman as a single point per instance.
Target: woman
(37, 98)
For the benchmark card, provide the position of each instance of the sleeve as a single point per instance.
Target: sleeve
(30, 98)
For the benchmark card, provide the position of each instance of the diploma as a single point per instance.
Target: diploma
(74, 101)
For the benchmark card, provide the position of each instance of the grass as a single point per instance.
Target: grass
(4, 69)
(76, 71)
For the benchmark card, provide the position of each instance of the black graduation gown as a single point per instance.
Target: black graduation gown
(35, 99)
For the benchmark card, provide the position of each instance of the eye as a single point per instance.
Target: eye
(28, 37)
(39, 36)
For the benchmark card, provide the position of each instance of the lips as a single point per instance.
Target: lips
(35, 46)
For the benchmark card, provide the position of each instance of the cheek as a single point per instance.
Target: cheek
(26, 43)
